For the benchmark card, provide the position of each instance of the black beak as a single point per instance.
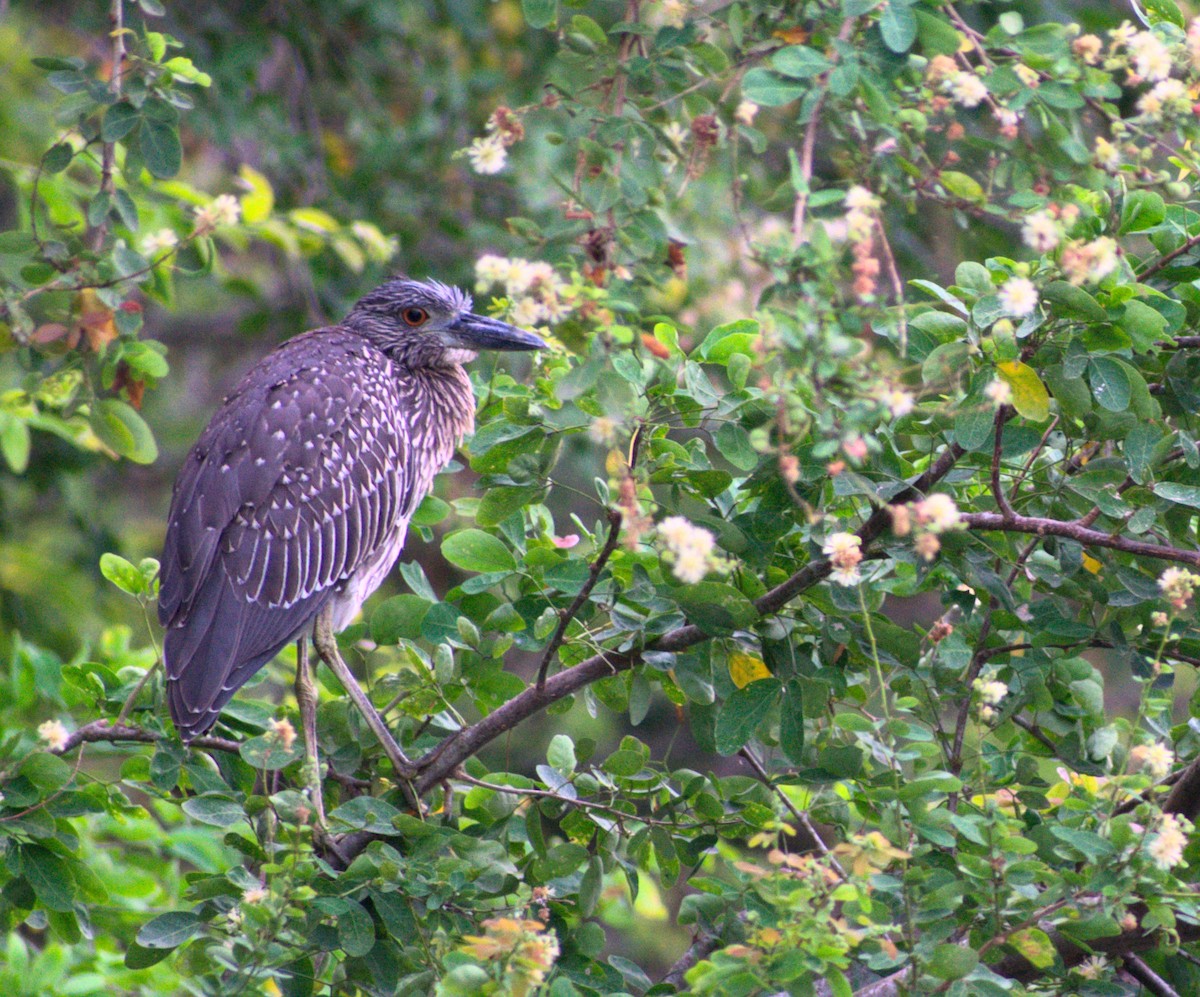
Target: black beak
(475, 332)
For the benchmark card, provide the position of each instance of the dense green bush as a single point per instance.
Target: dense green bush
(841, 554)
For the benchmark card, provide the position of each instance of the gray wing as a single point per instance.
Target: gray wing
(296, 481)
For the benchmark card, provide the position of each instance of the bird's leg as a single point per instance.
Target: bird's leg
(328, 650)
(306, 698)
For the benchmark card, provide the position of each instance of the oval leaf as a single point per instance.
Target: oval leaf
(474, 550)
(1029, 395)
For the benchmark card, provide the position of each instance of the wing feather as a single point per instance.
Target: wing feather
(278, 504)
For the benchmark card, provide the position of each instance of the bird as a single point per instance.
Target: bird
(292, 506)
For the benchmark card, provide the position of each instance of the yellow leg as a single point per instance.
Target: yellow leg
(306, 698)
(327, 648)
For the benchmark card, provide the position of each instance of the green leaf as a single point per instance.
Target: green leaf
(184, 70)
(119, 121)
(1161, 11)
(540, 13)
(769, 89)
(1139, 449)
(49, 876)
(952, 962)
(561, 754)
(1111, 386)
(219, 811)
(170, 930)
(58, 158)
(160, 148)
(355, 929)
(938, 36)
(725, 340)
(122, 574)
(791, 722)
(945, 364)
(1068, 301)
(1177, 493)
(269, 753)
(124, 431)
(500, 503)
(800, 62)
(46, 771)
(474, 550)
(716, 607)
(1142, 209)
(152, 8)
(962, 186)
(430, 512)
(742, 713)
(1143, 324)
(365, 813)
(734, 444)
(898, 26)
(15, 442)
(400, 617)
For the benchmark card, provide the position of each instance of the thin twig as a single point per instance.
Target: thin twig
(116, 18)
(102, 730)
(808, 146)
(1006, 510)
(565, 616)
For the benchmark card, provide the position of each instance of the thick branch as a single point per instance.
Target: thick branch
(452, 752)
(1081, 534)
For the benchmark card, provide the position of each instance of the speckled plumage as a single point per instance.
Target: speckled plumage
(299, 491)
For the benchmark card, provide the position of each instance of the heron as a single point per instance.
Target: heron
(293, 505)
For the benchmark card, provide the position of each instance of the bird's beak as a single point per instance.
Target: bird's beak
(476, 332)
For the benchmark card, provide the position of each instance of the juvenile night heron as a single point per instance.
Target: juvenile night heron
(293, 505)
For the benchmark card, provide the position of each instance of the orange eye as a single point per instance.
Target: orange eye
(414, 316)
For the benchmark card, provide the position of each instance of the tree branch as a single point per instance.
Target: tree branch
(102, 730)
(1081, 534)
(116, 18)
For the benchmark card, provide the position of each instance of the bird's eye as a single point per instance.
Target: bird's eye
(414, 316)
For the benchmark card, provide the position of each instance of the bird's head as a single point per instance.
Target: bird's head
(427, 323)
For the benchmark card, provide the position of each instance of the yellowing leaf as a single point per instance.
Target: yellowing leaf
(259, 201)
(1029, 395)
(746, 668)
(1035, 945)
(1092, 564)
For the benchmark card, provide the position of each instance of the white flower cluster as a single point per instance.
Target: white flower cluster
(1019, 297)
(991, 694)
(999, 393)
(844, 551)
(1089, 261)
(536, 293)
(223, 210)
(967, 89)
(1156, 759)
(1041, 231)
(158, 242)
(1166, 847)
(861, 207)
(1178, 586)
(691, 548)
(487, 154)
(897, 401)
(54, 733)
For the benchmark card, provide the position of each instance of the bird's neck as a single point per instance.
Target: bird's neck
(443, 407)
